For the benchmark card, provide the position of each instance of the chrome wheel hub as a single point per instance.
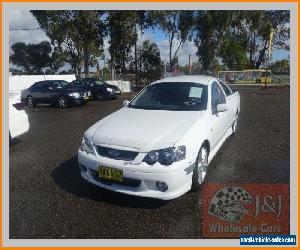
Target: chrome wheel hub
(202, 165)
(30, 101)
(62, 102)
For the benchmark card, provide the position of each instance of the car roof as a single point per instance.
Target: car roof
(53, 81)
(202, 79)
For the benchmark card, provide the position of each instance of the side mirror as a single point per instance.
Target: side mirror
(50, 88)
(125, 103)
(222, 107)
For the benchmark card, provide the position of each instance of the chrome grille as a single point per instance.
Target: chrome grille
(116, 154)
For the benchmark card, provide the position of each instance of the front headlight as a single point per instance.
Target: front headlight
(76, 95)
(87, 146)
(109, 89)
(165, 156)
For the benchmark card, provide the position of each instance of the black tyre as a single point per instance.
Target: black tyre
(235, 123)
(31, 102)
(200, 169)
(62, 102)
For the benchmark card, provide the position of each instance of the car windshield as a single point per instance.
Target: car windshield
(179, 96)
(99, 82)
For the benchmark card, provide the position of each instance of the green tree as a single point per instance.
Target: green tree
(239, 36)
(122, 37)
(210, 28)
(33, 58)
(257, 26)
(76, 35)
(177, 25)
(280, 66)
(234, 54)
(150, 60)
(141, 24)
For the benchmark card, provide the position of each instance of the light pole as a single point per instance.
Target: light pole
(45, 72)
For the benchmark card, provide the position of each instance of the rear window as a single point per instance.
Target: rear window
(228, 91)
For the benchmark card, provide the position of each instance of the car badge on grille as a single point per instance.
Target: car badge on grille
(114, 152)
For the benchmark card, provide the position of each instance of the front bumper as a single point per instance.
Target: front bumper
(118, 92)
(139, 178)
(77, 101)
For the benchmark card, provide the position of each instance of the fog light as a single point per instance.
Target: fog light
(161, 186)
(82, 168)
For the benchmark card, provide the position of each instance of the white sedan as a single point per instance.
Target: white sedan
(160, 144)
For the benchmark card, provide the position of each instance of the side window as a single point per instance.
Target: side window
(217, 96)
(226, 88)
(37, 85)
(56, 85)
(46, 85)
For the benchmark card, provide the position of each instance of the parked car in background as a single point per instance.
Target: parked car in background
(100, 89)
(55, 92)
(18, 118)
(160, 144)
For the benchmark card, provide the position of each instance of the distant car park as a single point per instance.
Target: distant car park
(55, 92)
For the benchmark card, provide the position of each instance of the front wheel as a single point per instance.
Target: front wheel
(30, 102)
(200, 169)
(62, 102)
(235, 123)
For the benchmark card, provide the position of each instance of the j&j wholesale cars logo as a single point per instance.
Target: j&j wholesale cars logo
(233, 210)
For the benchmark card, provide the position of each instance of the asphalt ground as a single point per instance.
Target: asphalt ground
(48, 198)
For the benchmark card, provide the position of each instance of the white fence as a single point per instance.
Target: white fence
(124, 86)
(18, 83)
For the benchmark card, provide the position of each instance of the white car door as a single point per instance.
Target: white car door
(229, 95)
(220, 120)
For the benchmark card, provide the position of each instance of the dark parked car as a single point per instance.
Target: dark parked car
(55, 92)
(100, 89)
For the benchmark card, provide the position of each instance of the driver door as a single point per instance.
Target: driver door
(220, 120)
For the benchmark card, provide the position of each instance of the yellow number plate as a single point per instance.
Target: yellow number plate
(110, 174)
(86, 98)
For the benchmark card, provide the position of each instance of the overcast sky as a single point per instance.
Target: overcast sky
(24, 20)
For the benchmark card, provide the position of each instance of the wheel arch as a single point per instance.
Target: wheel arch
(206, 143)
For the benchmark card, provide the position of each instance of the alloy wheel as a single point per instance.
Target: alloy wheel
(202, 164)
(30, 102)
(62, 102)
